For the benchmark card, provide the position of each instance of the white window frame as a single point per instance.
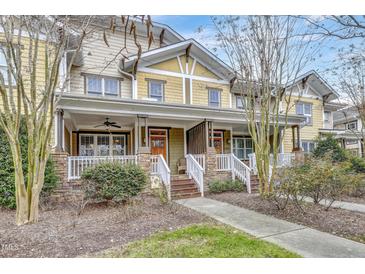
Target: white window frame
(162, 85)
(219, 97)
(244, 148)
(308, 116)
(5, 67)
(241, 99)
(102, 92)
(325, 120)
(308, 142)
(111, 149)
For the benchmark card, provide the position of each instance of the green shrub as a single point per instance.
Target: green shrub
(113, 181)
(318, 178)
(223, 186)
(7, 177)
(330, 146)
(357, 164)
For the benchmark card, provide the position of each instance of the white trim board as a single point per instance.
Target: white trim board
(176, 74)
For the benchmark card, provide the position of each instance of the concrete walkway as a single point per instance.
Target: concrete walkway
(340, 204)
(304, 241)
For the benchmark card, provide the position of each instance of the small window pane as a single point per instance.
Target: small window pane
(2, 58)
(299, 109)
(240, 102)
(307, 109)
(214, 98)
(94, 85)
(111, 87)
(118, 145)
(156, 90)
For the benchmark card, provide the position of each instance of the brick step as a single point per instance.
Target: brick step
(182, 182)
(184, 191)
(181, 187)
(185, 195)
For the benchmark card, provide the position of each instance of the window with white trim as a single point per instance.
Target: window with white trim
(304, 109)
(156, 90)
(214, 98)
(103, 86)
(327, 119)
(308, 146)
(242, 147)
(240, 102)
(4, 68)
(351, 125)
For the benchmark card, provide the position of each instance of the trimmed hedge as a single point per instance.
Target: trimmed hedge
(113, 181)
(7, 177)
(223, 186)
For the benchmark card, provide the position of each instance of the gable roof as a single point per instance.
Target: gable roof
(318, 84)
(197, 51)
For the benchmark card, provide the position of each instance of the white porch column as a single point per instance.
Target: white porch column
(59, 130)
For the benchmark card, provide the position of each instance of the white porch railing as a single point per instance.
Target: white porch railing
(224, 162)
(154, 164)
(284, 159)
(200, 158)
(77, 164)
(195, 171)
(164, 172)
(242, 171)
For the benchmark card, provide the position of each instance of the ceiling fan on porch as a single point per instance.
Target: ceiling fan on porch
(108, 124)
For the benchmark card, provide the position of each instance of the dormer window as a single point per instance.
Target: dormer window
(156, 90)
(102, 85)
(214, 97)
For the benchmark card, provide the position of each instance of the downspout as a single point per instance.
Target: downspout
(133, 81)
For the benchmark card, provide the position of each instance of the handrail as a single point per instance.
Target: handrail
(200, 158)
(164, 172)
(242, 171)
(77, 164)
(195, 171)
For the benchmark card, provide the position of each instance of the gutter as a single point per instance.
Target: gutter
(134, 95)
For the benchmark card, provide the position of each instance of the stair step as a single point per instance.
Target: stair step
(183, 181)
(183, 187)
(179, 177)
(186, 195)
(185, 191)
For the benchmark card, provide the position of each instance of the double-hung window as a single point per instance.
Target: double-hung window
(242, 147)
(102, 86)
(156, 90)
(305, 109)
(214, 97)
(4, 68)
(327, 119)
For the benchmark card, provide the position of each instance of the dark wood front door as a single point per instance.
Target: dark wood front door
(158, 142)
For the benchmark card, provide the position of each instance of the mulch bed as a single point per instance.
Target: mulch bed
(339, 222)
(62, 233)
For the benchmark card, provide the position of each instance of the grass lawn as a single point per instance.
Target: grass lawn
(200, 241)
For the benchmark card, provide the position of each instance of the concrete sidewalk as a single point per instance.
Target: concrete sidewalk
(341, 204)
(304, 241)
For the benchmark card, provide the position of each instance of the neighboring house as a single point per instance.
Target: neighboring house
(314, 99)
(347, 128)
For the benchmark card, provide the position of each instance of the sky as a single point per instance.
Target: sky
(188, 25)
